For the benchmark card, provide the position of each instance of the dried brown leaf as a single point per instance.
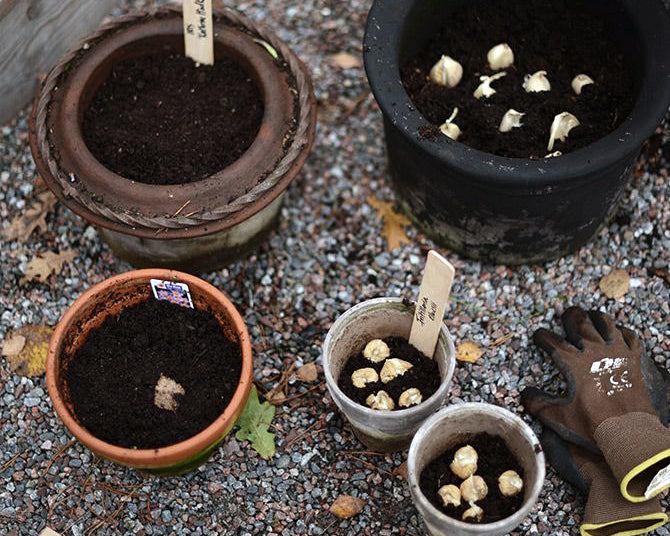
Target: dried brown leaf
(32, 219)
(392, 230)
(275, 396)
(344, 60)
(401, 471)
(308, 373)
(616, 284)
(46, 531)
(468, 351)
(29, 358)
(42, 266)
(347, 506)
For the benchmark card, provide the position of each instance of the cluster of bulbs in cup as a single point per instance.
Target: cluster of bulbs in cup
(474, 488)
(448, 72)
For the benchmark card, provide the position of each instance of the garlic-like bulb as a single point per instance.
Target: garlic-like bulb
(474, 512)
(449, 128)
(484, 89)
(450, 495)
(500, 57)
(361, 377)
(474, 488)
(555, 154)
(562, 124)
(464, 463)
(393, 368)
(381, 400)
(376, 350)
(510, 483)
(536, 82)
(579, 81)
(511, 119)
(446, 72)
(410, 397)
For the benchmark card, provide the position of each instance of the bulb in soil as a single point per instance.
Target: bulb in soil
(511, 119)
(474, 488)
(484, 89)
(411, 397)
(579, 81)
(536, 82)
(381, 401)
(474, 513)
(555, 154)
(446, 72)
(500, 57)
(165, 391)
(361, 377)
(464, 463)
(449, 128)
(393, 368)
(562, 124)
(376, 350)
(510, 483)
(450, 495)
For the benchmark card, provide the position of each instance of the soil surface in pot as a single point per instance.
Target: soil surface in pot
(159, 119)
(424, 374)
(494, 458)
(561, 37)
(113, 375)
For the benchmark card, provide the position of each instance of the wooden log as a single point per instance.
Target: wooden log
(33, 35)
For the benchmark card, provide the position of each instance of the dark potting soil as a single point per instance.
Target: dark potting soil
(424, 374)
(159, 119)
(561, 37)
(112, 376)
(494, 458)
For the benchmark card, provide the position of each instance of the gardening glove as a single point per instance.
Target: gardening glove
(606, 513)
(608, 408)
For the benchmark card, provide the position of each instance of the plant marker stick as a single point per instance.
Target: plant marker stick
(438, 275)
(198, 33)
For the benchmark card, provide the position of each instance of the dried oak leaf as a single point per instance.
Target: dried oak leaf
(23, 226)
(393, 230)
(469, 352)
(344, 60)
(401, 471)
(26, 349)
(307, 373)
(615, 284)
(347, 506)
(45, 264)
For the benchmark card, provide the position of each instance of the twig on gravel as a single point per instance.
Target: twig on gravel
(10, 462)
(58, 455)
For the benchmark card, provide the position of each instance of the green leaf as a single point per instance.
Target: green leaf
(254, 423)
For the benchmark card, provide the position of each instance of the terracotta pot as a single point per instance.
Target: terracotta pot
(194, 226)
(383, 431)
(445, 430)
(109, 297)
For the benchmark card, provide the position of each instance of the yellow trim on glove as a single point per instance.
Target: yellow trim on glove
(587, 528)
(635, 471)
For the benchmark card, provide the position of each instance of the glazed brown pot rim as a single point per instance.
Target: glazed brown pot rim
(170, 454)
(302, 113)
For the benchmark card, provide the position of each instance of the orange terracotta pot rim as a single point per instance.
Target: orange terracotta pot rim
(163, 456)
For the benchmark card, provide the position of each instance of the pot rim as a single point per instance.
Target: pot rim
(440, 393)
(171, 454)
(505, 523)
(383, 33)
(180, 224)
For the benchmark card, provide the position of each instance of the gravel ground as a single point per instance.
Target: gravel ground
(327, 255)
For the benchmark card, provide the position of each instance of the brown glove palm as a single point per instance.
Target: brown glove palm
(608, 408)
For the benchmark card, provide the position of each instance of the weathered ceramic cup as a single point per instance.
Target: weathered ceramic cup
(383, 431)
(451, 426)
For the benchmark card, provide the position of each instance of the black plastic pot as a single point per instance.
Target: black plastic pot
(511, 210)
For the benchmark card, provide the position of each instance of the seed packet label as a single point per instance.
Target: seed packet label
(198, 33)
(172, 291)
(658, 483)
(438, 276)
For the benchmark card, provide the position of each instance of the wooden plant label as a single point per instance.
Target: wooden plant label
(438, 275)
(198, 32)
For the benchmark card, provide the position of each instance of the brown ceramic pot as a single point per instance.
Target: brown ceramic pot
(194, 226)
(109, 298)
